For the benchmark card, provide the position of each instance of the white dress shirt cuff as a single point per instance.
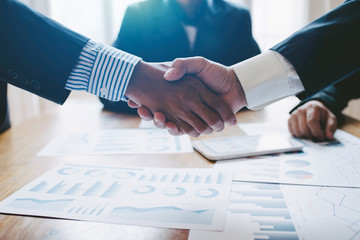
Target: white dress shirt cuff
(103, 71)
(267, 78)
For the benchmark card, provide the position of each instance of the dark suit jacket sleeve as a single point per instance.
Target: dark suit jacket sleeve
(337, 96)
(327, 50)
(36, 53)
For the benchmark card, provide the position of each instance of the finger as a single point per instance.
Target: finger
(173, 129)
(295, 127)
(331, 126)
(182, 66)
(159, 120)
(314, 123)
(196, 122)
(302, 124)
(145, 114)
(219, 107)
(133, 104)
(211, 119)
(187, 129)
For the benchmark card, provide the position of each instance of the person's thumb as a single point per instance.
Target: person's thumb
(176, 71)
(182, 66)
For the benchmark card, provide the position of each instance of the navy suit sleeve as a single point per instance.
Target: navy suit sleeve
(337, 96)
(327, 50)
(37, 54)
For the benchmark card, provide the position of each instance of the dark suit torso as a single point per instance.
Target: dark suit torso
(327, 50)
(36, 53)
(153, 30)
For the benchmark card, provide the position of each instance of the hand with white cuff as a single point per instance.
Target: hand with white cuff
(188, 103)
(219, 78)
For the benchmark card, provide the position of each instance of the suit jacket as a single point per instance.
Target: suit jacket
(153, 31)
(337, 96)
(36, 53)
(327, 50)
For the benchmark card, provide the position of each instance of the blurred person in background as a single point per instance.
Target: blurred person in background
(162, 30)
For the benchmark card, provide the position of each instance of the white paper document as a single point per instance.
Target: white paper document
(122, 141)
(288, 212)
(168, 197)
(324, 164)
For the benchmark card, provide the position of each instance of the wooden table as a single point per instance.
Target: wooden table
(20, 165)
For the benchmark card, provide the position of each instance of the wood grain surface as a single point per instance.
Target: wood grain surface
(20, 165)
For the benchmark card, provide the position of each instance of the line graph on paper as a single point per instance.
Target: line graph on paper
(315, 207)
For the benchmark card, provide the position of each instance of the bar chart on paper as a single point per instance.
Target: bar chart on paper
(141, 196)
(277, 211)
(256, 211)
(124, 141)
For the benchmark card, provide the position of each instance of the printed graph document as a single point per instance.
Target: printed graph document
(325, 164)
(122, 141)
(171, 198)
(291, 212)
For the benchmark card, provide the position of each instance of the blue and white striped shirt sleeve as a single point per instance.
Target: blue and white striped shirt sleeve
(103, 71)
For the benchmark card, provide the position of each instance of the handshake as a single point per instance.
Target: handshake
(191, 95)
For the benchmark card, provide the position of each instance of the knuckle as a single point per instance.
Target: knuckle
(177, 61)
(301, 111)
(312, 117)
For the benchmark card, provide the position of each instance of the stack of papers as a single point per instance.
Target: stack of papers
(313, 194)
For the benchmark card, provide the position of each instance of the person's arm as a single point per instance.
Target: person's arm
(239, 85)
(320, 54)
(327, 50)
(337, 96)
(316, 117)
(128, 40)
(323, 52)
(37, 54)
(41, 56)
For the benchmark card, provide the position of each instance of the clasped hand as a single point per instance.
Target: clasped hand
(186, 106)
